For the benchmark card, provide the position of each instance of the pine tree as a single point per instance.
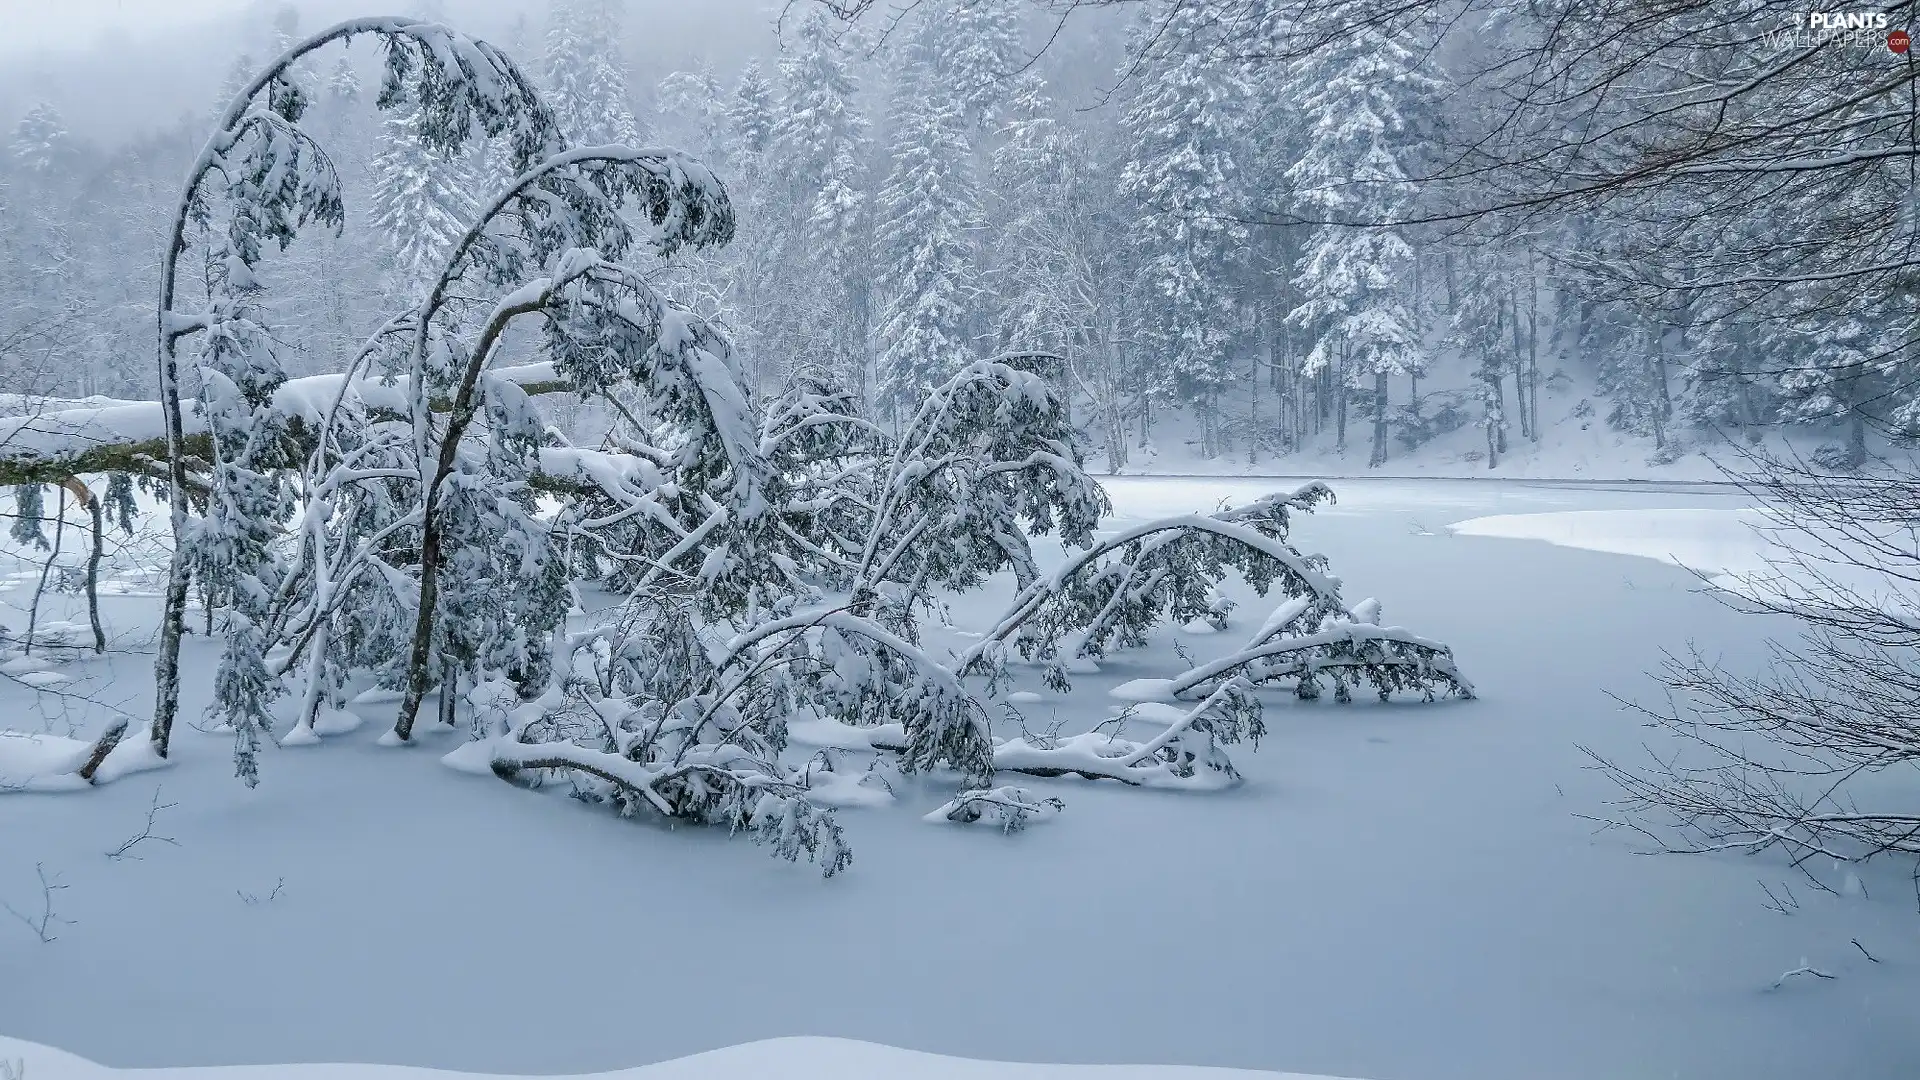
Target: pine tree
(816, 314)
(1058, 270)
(1182, 168)
(422, 198)
(982, 60)
(694, 107)
(926, 213)
(1845, 371)
(751, 112)
(40, 142)
(1356, 283)
(586, 76)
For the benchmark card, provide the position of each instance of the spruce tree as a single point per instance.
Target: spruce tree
(816, 315)
(1356, 283)
(926, 213)
(751, 112)
(586, 74)
(40, 142)
(422, 198)
(1183, 169)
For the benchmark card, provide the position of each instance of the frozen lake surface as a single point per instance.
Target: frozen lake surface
(1398, 892)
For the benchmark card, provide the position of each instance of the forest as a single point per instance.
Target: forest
(1155, 200)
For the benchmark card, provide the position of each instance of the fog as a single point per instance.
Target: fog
(118, 68)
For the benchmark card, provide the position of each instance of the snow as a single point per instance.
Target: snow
(1741, 550)
(793, 1058)
(58, 429)
(39, 761)
(1143, 690)
(1399, 891)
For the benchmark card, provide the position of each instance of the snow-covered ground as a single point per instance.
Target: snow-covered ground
(1575, 443)
(795, 1058)
(1399, 892)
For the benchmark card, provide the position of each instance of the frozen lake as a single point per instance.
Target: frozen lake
(1398, 892)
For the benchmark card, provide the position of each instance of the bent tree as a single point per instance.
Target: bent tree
(644, 620)
(258, 179)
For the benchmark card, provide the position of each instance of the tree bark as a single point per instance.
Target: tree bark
(1379, 457)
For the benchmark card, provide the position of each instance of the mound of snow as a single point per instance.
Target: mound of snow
(37, 762)
(798, 1058)
(26, 665)
(1143, 690)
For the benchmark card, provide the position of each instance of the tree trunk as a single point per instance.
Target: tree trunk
(93, 571)
(1340, 404)
(1379, 457)
(59, 532)
(1519, 373)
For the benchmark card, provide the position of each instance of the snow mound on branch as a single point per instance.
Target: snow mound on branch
(474, 757)
(30, 761)
(847, 789)
(831, 733)
(795, 1058)
(1143, 690)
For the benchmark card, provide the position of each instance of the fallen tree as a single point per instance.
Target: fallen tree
(761, 567)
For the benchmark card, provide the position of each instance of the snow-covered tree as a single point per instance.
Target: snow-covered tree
(1182, 171)
(1058, 270)
(40, 142)
(1355, 283)
(815, 313)
(928, 214)
(586, 72)
(423, 197)
(694, 112)
(752, 111)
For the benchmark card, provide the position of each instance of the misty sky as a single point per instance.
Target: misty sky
(67, 25)
(116, 68)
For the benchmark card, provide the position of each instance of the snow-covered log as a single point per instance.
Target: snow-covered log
(1012, 808)
(48, 441)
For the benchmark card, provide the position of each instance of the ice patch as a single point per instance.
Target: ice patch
(1024, 697)
(1743, 551)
